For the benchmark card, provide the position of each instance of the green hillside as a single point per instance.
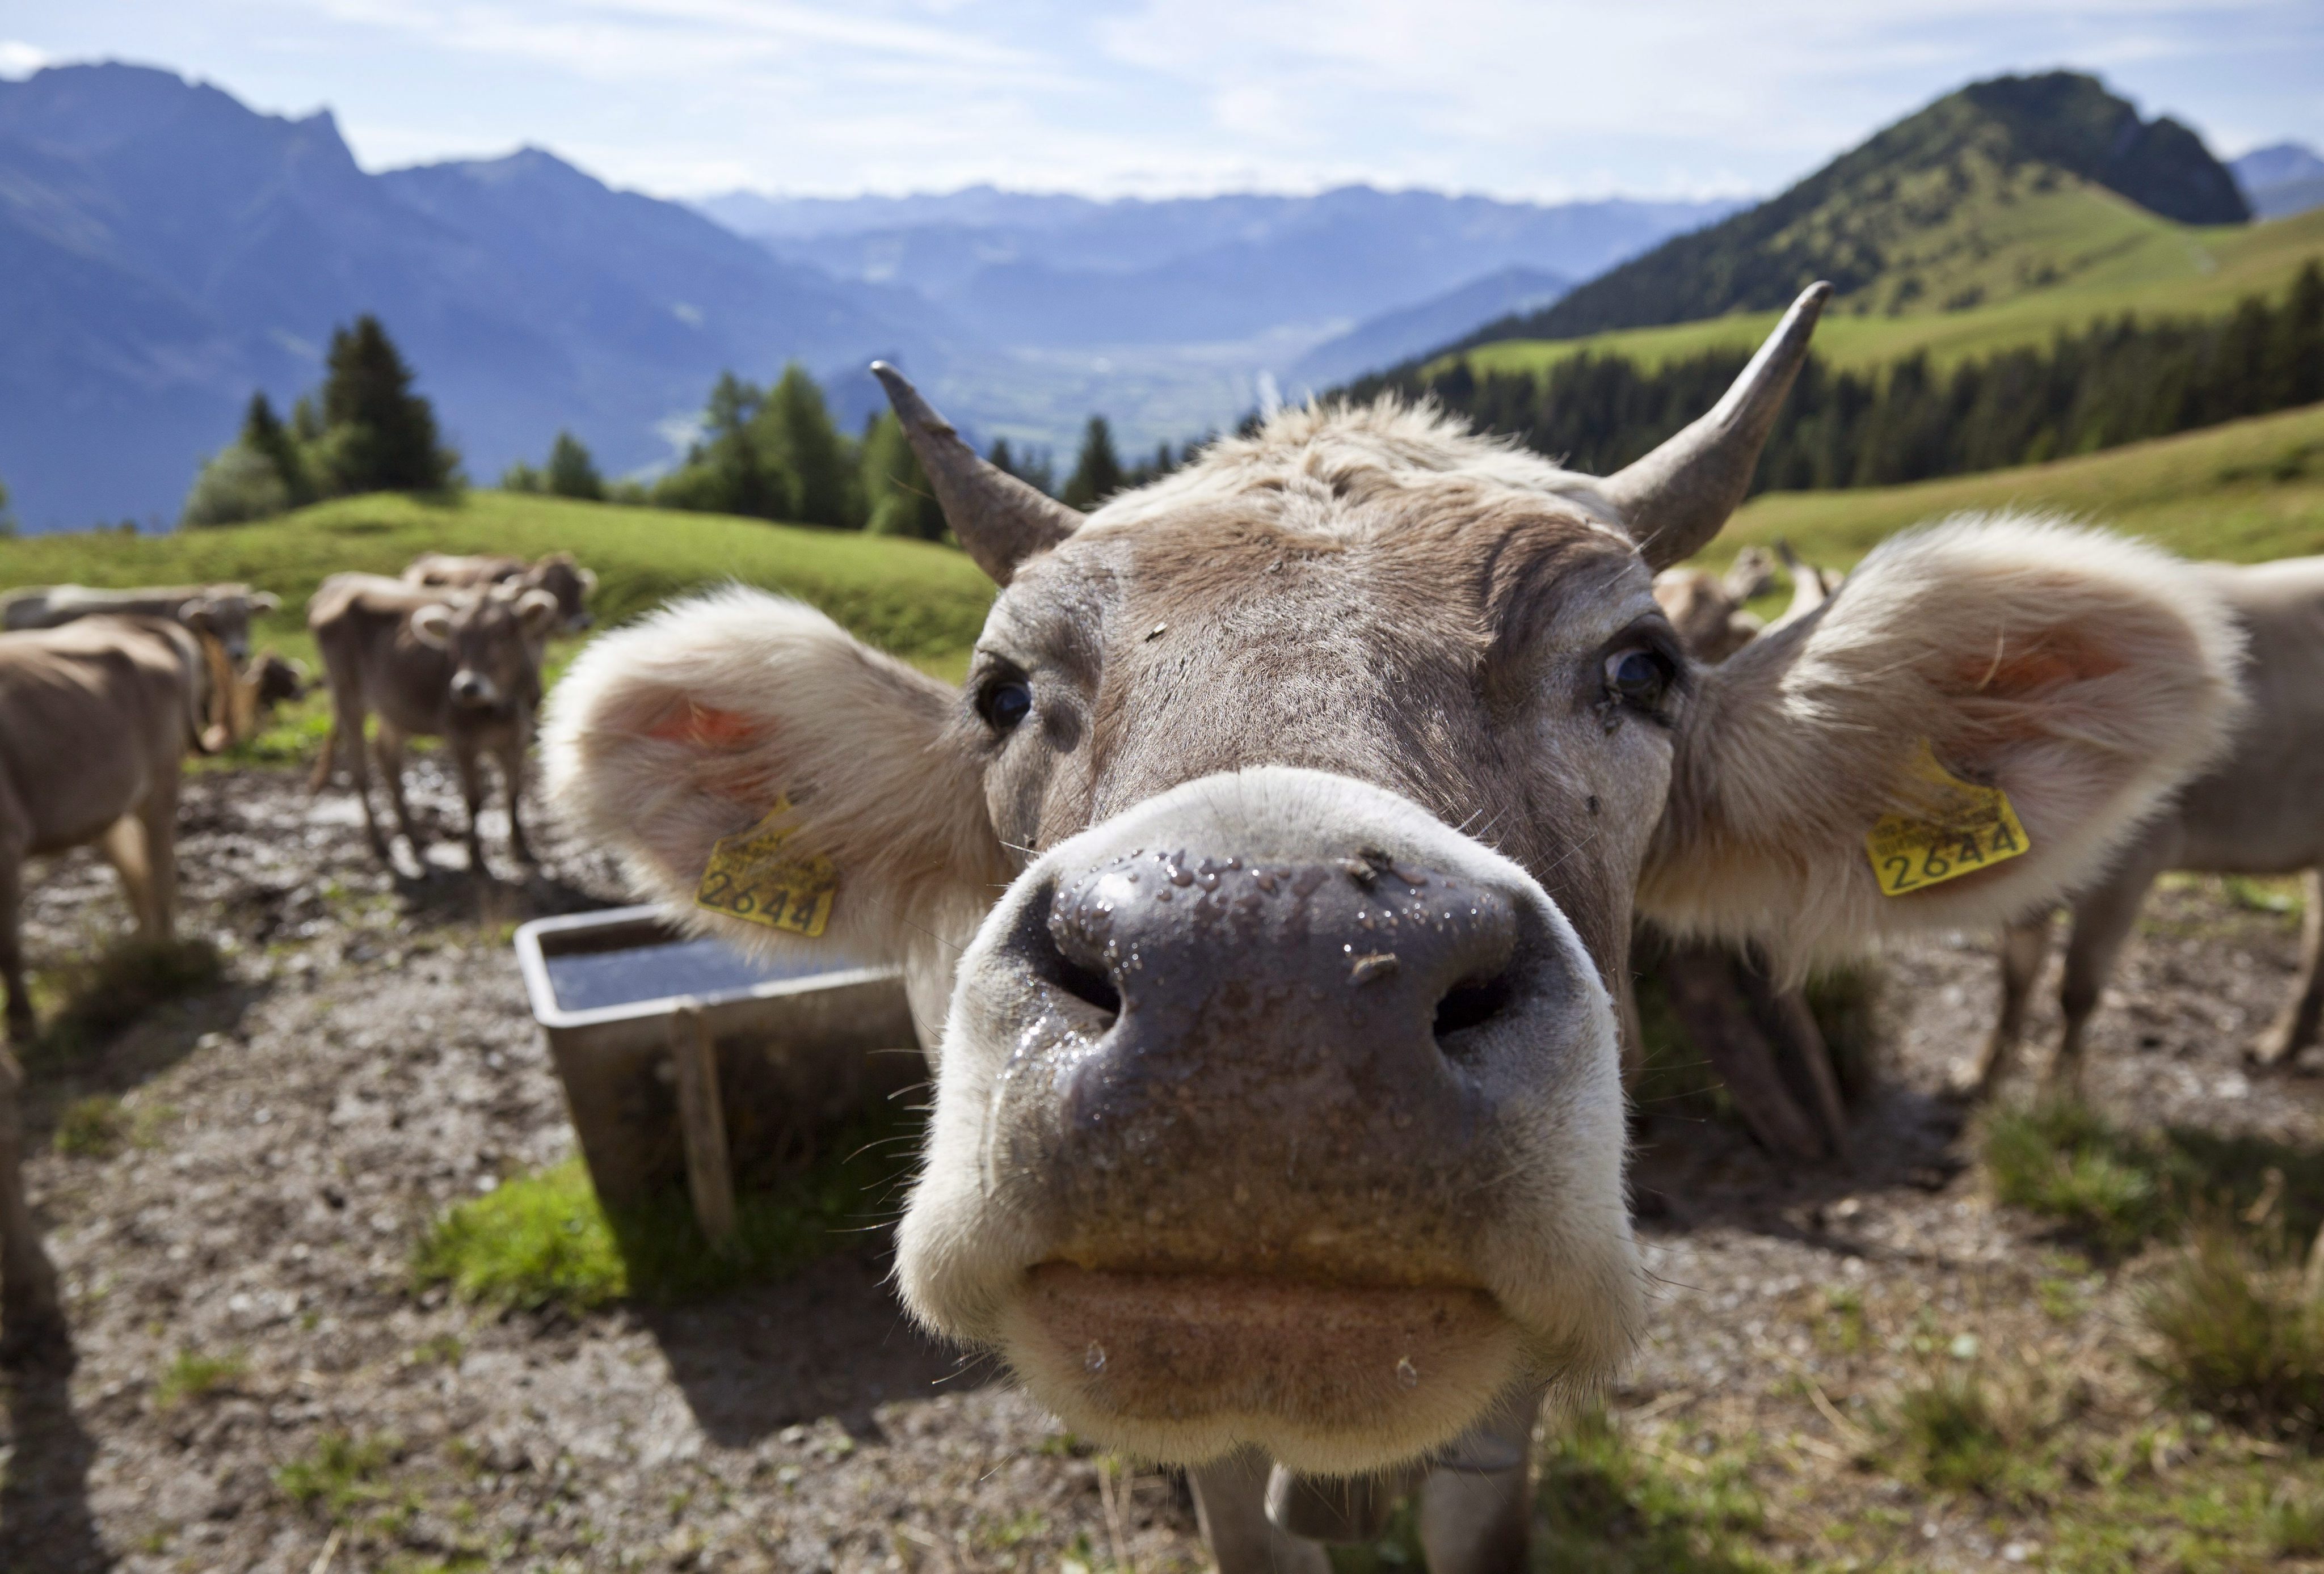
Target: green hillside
(2244, 491)
(2005, 189)
(2173, 270)
(919, 601)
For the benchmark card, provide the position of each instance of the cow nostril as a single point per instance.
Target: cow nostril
(1038, 944)
(1472, 1003)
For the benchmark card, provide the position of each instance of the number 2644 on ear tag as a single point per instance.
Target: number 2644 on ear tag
(1963, 827)
(751, 877)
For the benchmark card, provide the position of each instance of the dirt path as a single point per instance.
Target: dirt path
(287, 1135)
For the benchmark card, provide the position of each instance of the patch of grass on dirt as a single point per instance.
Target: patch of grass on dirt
(342, 1476)
(2064, 1160)
(1607, 1503)
(544, 1239)
(2117, 1190)
(1949, 1432)
(93, 1128)
(2295, 1523)
(192, 1374)
(121, 983)
(2242, 1334)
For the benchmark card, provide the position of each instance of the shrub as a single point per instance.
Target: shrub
(238, 484)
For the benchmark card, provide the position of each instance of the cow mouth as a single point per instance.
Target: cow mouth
(1331, 1377)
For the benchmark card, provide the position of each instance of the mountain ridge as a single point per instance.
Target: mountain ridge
(1901, 221)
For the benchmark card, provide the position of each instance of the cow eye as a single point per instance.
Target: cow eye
(1004, 702)
(1640, 676)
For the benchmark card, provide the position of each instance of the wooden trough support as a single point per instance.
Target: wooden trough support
(702, 1122)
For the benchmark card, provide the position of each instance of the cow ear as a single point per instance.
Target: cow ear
(536, 610)
(2084, 676)
(431, 625)
(265, 600)
(588, 581)
(743, 710)
(200, 614)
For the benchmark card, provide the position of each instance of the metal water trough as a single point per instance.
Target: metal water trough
(685, 1061)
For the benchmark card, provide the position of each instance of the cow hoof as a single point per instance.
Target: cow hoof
(2272, 1050)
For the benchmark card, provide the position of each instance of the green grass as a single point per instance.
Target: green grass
(2117, 1190)
(191, 1375)
(2240, 1337)
(1948, 1434)
(91, 1127)
(909, 597)
(2243, 493)
(342, 1474)
(544, 1239)
(2111, 257)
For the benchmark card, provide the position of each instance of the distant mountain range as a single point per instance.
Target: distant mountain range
(2281, 180)
(165, 249)
(1986, 193)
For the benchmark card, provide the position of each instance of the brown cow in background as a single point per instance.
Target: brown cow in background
(220, 610)
(557, 574)
(459, 666)
(95, 718)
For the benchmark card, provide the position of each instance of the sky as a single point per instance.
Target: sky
(1548, 100)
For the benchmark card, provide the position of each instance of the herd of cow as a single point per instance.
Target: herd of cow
(104, 692)
(1267, 894)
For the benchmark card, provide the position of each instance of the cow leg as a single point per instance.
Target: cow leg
(1231, 1507)
(388, 741)
(347, 733)
(470, 764)
(160, 813)
(29, 1314)
(512, 758)
(2103, 919)
(122, 846)
(12, 937)
(2295, 1028)
(1480, 1520)
(2024, 945)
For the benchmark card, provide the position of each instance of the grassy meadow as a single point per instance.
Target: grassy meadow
(2241, 493)
(2111, 257)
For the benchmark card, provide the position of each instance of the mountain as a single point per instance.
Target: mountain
(164, 250)
(2281, 180)
(2003, 187)
(1066, 273)
(1398, 336)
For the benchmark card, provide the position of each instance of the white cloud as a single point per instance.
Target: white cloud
(19, 59)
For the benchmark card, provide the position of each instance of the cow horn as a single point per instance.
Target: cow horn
(1674, 501)
(999, 520)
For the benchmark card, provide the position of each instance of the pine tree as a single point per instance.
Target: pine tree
(263, 433)
(797, 436)
(378, 435)
(726, 472)
(572, 471)
(1097, 472)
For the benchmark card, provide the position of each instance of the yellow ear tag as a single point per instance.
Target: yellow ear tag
(750, 877)
(1965, 828)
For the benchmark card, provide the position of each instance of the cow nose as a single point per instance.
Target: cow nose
(470, 689)
(1288, 1056)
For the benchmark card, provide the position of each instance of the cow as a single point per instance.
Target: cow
(221, 611)
(94, 718)
(557, 574)
(459, 666)
(1272, 874)
(2254, 813)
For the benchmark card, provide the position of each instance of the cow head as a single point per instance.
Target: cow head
(1272, 873)
(569, 582)
(493, 640)
(223, 612)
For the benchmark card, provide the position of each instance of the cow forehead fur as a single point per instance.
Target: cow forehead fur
(1308, 463)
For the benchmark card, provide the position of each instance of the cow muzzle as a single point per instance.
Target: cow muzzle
(1277, 1111)
(474, 691)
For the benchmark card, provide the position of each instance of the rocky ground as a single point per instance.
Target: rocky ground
(259, 1386)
